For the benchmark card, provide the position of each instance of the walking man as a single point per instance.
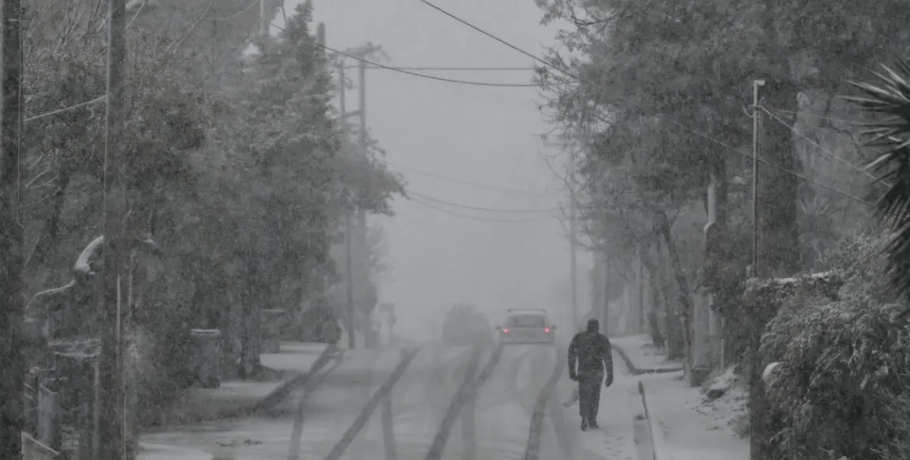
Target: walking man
(594, 356)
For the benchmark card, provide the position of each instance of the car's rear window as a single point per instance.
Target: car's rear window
(527, 321)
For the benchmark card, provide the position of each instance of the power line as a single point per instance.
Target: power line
(477, 208)
(474, 218)
(455, 69)
(462, 181)
(238, 13)
(420, 75)
(66, 109)
(431, 77)
(827, 152)
(644, 109)
(403, 70)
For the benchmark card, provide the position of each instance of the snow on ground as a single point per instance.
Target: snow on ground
(329, 412)
(687, 426)
(615, 440)
(294, 356)
(726, 398)
(206, 403)
(161, 452)
(643, 354)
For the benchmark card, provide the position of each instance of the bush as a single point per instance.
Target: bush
(841, 390)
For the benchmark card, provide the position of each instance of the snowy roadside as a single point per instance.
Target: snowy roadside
(685, 423)
(688, 425)
(160, 452)
(641, 356)
(235, 398)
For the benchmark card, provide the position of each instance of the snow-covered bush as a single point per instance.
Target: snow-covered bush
(841, 389)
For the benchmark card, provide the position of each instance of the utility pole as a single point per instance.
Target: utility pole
(573, 245)
(349, 263)
(12, 307)
(358, 218)
(757, 397)
(264, 17)
(567, 141)
(111, 439)
(756, 123)
(361, 214)
(605, 308)
(642, 314)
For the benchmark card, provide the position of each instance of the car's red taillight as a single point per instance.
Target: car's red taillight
(546, 330)
(505, 331)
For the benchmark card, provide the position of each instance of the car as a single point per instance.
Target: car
(465, 326)
(527, 326)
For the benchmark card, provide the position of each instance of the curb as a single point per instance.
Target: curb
(636, 371)
(654, 431)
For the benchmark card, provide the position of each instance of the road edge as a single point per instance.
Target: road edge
(656, 434)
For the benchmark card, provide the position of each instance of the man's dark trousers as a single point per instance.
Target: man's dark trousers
(589, 395)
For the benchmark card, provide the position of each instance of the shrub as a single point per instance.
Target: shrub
(841, 389)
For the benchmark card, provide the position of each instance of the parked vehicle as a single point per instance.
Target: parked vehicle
(465, 326)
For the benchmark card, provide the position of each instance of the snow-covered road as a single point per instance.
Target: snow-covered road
(495, 426)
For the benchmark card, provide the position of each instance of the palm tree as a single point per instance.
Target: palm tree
(889, 103)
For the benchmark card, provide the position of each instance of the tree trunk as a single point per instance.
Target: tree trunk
(50, 238)
(675, 340)
(657, 335)
(684, 312)
(251, 304)
(12, 306)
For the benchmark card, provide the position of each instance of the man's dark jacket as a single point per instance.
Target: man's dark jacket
(593, 352)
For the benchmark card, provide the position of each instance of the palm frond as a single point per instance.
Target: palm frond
(889, 134)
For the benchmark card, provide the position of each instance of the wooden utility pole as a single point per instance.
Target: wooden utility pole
(111, 438)
(566, 140)
(756, 122)
(361, 214)
(355, 222)
(640, 287)
(757, 398)
(12, 364)
(573, 246)
(348, 250)
(264, 17)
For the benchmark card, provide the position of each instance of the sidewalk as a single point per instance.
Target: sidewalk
(682, 422)
(685, 426)
(237, 398)
(642, 357)
(617, 437)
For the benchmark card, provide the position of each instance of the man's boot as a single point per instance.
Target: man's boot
(584, 424)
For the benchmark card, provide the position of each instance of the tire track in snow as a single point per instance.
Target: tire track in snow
(308, 390)
(532, 450)
(349, 435)
(472, 382)
(388, 428)
(468, 422)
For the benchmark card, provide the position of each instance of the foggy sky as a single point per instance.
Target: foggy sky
(470, 133)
